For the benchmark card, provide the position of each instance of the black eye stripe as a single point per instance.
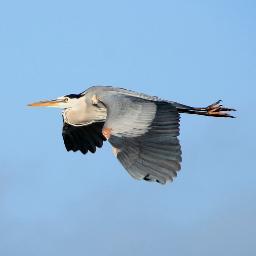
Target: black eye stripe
(73, 96)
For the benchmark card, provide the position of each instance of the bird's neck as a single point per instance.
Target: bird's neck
(84, 116)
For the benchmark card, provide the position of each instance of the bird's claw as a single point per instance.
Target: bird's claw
(217, 109)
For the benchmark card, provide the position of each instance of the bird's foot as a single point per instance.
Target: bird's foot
(216, 109)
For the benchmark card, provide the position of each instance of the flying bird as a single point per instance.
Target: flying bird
(143, 130)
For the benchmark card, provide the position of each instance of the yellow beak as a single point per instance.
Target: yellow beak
(47, 103)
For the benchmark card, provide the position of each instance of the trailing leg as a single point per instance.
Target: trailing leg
(216, 109)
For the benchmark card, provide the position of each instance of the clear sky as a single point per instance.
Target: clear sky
(195, 52)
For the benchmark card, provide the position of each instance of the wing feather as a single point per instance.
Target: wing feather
(83, 138)
(156, 154)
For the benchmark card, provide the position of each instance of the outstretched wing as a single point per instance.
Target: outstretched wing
(83, 138)
(144, 136)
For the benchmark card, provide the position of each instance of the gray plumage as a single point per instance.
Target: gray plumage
(142, 129)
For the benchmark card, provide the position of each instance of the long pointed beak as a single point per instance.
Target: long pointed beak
(47, 103)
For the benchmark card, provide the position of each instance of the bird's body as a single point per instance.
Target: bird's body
(142, 129)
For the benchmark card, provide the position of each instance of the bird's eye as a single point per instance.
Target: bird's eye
(66, 100)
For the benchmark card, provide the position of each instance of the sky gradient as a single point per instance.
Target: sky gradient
(194, 52)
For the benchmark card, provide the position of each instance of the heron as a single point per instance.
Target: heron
(143, 130)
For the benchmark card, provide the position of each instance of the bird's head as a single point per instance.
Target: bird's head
(63, 102)
(76, 110)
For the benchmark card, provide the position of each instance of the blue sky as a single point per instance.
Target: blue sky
(194, 52)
